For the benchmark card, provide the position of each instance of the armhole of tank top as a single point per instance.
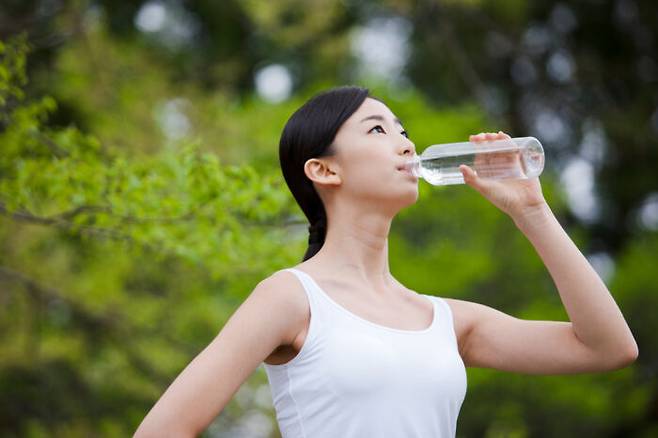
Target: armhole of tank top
(310, 334)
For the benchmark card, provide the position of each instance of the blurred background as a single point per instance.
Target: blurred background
(141, 198)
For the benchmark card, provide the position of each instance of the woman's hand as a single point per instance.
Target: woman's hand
(516, 197)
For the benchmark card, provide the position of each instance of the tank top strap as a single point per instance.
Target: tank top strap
(305, 281)
(445, 317)
(318, 312)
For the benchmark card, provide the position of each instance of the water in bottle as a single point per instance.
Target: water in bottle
(515, 158)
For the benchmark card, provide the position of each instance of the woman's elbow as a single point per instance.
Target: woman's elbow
(632, 353)
(624, 357)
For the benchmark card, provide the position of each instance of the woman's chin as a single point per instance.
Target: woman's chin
(410, 198)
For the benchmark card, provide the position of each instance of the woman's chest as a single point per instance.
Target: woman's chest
(369, 363)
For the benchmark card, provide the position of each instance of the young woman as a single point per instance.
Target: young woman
(349, 351)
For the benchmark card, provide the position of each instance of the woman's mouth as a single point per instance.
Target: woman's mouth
(406, 170)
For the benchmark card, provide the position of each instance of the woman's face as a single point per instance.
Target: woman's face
(370, 147)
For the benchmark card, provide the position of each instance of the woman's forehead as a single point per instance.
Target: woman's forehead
(372, 107)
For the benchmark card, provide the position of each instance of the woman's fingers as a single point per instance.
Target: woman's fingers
(488, 136)
(472, 179)
(468, 173)
(478, 137)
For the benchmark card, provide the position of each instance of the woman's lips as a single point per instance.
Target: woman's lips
(407, 171)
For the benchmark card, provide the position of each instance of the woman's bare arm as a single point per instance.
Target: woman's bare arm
(597, 338)
(270, 316)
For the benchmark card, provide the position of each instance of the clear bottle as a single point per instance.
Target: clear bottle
(516, 158)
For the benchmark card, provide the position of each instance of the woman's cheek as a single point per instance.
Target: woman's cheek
(364, 182)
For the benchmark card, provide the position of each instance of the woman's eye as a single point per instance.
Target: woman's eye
(405, 133)
(378, 126)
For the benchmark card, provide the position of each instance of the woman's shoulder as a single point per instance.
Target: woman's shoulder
(282, 281)
(287, 296)
(461, 309)
(287, 285)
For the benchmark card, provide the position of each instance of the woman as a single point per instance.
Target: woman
(348, 350)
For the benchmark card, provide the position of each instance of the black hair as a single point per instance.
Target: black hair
(309, 133)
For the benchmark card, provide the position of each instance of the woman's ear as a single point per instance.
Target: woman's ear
(322, 171)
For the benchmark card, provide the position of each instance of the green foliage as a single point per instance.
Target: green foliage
(181, 201)
(87, 231)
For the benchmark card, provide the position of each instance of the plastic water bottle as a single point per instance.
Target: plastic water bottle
(516, 158)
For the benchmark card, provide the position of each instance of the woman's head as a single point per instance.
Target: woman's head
(344, 145)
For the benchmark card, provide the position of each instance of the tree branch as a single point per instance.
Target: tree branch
(50, 144)
(112, 325)
(63, 219)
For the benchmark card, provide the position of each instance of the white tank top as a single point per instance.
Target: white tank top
(353, 378)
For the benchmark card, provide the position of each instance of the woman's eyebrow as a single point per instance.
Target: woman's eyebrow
(381, 119)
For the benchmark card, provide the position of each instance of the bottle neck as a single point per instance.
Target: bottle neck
(414, 165)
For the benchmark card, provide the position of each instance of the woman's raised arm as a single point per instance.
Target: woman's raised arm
(596, 338)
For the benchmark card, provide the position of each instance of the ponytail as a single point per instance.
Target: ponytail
(317, 233)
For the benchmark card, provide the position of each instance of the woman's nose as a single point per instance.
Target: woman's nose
(409, 149)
